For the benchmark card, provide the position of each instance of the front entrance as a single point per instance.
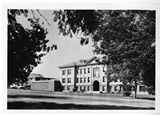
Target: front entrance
(95, 86)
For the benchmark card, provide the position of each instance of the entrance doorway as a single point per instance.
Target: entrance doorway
(95, 86)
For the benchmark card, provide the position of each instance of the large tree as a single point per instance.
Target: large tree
(125, 36)
(26, 46)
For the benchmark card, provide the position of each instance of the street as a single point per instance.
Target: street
(24, 97)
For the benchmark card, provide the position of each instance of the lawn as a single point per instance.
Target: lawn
(44, 105)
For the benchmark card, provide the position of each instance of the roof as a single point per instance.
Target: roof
(80, 63)
(34, 75)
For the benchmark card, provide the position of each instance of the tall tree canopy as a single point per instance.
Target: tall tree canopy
(25, 46)
(125, 36)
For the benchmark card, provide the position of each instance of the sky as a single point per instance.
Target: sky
(69, 49)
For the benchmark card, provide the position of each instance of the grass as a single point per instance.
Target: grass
(44, 105)
(36, 96)
(52, 105)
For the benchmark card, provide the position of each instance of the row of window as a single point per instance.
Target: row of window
(79, 80)
(85, 70)
(83, 80)
(88, 88)
(80, 71)
(68, 80)
(68, 72)
(85, 88)
(80, 88)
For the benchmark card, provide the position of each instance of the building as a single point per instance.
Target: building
(39, 82)
(37, 77)
(84, 76)
(91, 76)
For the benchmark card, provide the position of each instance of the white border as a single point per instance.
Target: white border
(82, 4)
(71, 4)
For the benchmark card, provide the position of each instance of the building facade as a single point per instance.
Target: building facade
(39, 82)
(84, 76)
(91, 76)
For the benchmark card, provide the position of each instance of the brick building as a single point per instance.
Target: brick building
(91, 76)
(84, 75)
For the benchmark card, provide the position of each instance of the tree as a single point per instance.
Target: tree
(125, 36)
(25, 46)
(72, 22)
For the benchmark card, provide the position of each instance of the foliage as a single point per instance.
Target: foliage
(127, 90)
(125, 36)
(77, 21)
(26, 47)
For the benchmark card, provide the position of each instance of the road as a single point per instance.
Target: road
(29, 96)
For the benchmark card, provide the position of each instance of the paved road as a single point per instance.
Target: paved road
(63, 98)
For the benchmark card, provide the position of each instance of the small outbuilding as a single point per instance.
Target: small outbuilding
(38, 82)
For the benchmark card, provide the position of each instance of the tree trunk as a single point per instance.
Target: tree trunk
(135, 96)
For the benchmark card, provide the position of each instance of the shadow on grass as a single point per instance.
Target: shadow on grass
(44, 105)
(146, 98)
(35, 96)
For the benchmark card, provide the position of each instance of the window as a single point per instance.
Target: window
(68, 87)
(80, 80)
(84, 88)
(76, 80)
(84, 80)
(142, 88)
(80, 71)
(103, 79)
(88, 79)
(63, 72)
(69, 80)
(80, 88)
(103, 88)
(88, 70)
(37, 78)
(88, 88)
(84, 70)
(63, 80)
(96, 72)
(69, 71)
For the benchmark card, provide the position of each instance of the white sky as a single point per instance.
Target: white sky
(69, 49)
